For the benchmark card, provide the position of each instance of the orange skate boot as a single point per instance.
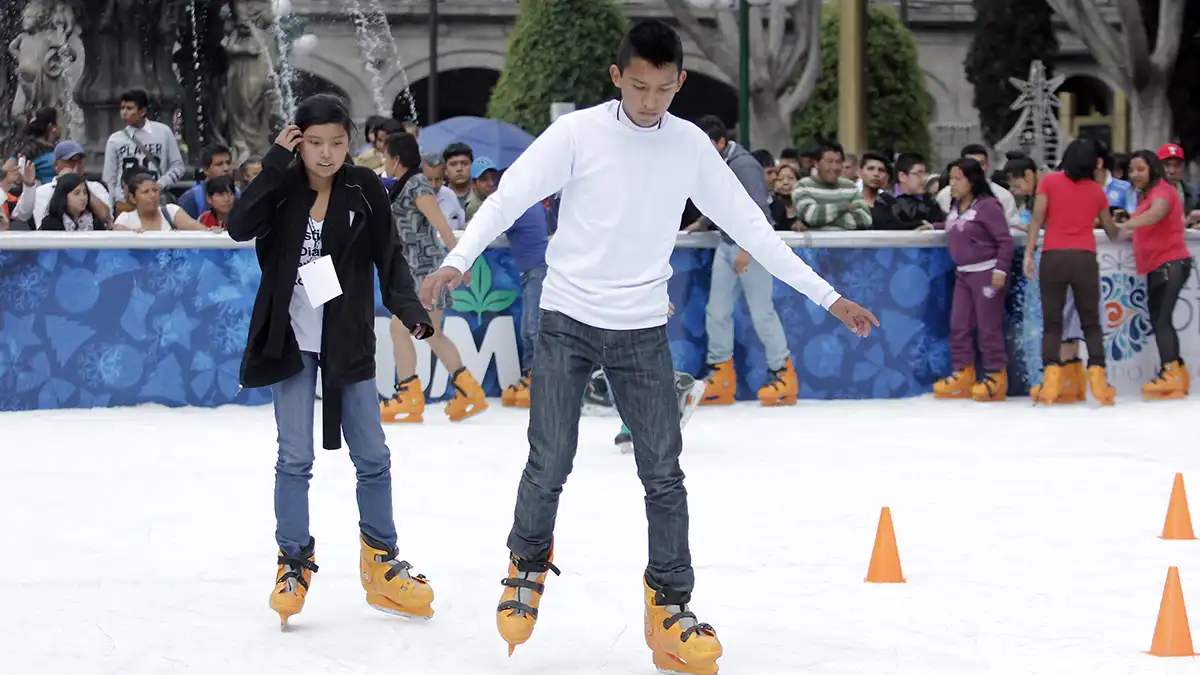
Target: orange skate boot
(1104, 393)
(993, 387)
(1169, 384)
(469, 398)
(518, 610)
(721, 384)
(408, 401)
(782, 388)
(679, 643)
(517, 395)
(291, 582)
(389, 586)
(958, 385)
(1072, 386)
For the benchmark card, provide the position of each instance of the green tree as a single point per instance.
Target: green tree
(559, 50)
(1184, 88)
(1009, 35)
(898, 106)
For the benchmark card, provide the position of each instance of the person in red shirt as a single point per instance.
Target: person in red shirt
(1068, 204)
(1160, 252)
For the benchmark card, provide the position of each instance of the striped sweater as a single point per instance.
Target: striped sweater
(823, 206)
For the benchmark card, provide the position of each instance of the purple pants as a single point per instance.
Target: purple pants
(977, 306)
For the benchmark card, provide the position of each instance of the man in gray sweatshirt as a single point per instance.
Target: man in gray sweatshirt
(144, 144)
(734, 271)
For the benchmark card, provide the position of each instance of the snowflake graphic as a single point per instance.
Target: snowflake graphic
(229, 330)
(100, 365)
(1126, 315)
(928, 358)
(26, 289)
(169, 272)
(243, 269)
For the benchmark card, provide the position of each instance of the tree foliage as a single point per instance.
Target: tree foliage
(898, 105)
(1009, 35)
(559, 51)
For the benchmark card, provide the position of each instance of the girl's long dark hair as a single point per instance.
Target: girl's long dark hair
(1079, 160)
(57, 209)
(1156, 168)
(34, 142)
(972, 170)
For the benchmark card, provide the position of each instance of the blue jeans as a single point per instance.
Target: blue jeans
(531, 300)
(294, 400)
(642, 375)
(757, 285)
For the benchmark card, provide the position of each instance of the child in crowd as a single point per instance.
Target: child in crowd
(219, 194)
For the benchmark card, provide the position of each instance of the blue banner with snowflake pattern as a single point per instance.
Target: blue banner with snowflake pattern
(83, 328)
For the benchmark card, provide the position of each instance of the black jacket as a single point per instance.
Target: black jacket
(912, 210)
(359, 235)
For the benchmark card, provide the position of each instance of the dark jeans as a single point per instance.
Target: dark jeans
(1079, 271)
(1165, 283)
(642, 376)
(531, 298)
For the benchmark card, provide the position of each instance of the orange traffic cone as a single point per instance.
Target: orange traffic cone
(885, 558)
(1172, 636)
(1179, 520)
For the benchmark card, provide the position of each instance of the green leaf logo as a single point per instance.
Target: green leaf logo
(479, 296)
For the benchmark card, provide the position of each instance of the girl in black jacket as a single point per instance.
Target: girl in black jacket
(308, 204)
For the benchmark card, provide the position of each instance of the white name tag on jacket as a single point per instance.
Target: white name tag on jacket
(320, 281)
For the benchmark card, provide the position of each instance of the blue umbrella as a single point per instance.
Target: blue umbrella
(501, 141)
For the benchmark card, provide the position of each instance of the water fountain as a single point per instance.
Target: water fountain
(378, 46)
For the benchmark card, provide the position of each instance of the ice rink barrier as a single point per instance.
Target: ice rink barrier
(110, 319)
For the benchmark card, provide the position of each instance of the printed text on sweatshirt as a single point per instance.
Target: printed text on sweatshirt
(624, 188)
(152, 148)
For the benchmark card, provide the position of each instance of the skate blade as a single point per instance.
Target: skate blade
(694, 397)
(625, 448)
(407, 419)
(401, 613)
(468, 413)
(669, 665)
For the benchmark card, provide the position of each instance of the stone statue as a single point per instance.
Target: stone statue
(49, 57)
(250, 99)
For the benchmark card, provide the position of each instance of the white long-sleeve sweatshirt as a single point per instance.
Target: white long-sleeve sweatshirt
(624, 188)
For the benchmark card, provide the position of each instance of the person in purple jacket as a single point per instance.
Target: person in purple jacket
(980, 244)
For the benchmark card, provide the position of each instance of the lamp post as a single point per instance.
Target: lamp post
(744, 72)
(431, 88)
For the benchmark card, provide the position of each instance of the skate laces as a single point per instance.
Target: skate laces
(293, 572)
(680, 614)
(526, 585)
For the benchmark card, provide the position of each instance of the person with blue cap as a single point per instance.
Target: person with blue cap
(484, 177)
(69, 157)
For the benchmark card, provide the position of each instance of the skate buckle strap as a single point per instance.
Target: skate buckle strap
(399, 567)
(689, 632)
(526, 567)
(990, 383)
(293, 569)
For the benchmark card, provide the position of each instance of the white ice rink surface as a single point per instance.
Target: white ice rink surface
(140, 542)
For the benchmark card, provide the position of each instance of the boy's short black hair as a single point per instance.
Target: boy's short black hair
(713, 126)
(825, 146)
(871, 155)
(764, 158)
(456, 149)
(209, 153)
(974, 149)
(907, 161)
(138, 97)
(219, 186)
(789, 153)
(652, 41)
